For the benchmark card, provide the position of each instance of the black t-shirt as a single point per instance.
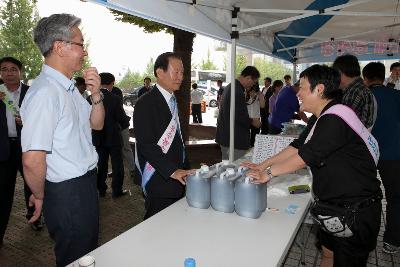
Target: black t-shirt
(342, 166)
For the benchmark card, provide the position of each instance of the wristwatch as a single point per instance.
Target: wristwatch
(269, 173)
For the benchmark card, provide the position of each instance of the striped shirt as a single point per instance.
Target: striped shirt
(361, 100)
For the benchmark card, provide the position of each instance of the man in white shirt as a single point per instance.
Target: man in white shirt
(196, 97)
(59, 158)
(393, 81)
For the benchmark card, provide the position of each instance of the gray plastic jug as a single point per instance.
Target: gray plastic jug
(250, 199)
(198, 187)
(222, 191)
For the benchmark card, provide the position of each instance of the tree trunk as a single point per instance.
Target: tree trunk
(183, 44)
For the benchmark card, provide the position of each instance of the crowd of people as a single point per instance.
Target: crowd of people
(60, 132)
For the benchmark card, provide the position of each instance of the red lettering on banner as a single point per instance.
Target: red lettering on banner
(360, 48)
(327, 49)
(344, 47)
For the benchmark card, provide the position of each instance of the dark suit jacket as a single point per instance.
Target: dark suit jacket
(151, 117)
(4, 142)
(242, 120)
(116, 91)
(114, 120)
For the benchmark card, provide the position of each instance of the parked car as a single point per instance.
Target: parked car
(210, 96)
(130, 99)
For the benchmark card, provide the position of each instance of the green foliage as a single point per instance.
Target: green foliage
(207, 64)
(147, 25)
(130, 81)
(274, 70)
(17, 20)
(149, 71)
(241, 63)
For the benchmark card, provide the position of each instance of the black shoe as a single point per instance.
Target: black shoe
(38, 224)
(102, 193)
(120, 194)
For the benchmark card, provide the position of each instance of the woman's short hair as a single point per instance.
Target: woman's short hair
(276, 83)
(57, 27)
(329, 77)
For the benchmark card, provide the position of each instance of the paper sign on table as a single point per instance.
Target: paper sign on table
(266, 146)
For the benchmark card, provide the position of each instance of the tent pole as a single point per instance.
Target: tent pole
(234, 36)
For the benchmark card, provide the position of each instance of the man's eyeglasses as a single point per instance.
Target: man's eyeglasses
(73, 43)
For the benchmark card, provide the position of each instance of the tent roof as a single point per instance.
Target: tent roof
(297, 31)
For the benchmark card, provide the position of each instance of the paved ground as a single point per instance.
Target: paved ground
(24, 247)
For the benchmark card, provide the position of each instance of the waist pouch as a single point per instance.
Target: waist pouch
(338, 220)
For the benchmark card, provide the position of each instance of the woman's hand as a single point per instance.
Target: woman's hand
(252, 166)
(258, 177)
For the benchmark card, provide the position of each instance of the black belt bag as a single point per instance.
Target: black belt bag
(338, 220)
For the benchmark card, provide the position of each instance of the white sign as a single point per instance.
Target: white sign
(266, 146)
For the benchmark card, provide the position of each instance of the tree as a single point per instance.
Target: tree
(274, 70)
(130, 81)
(183, 45)
(149, 71)
(241, 63)
(17, 20)
(207, 64)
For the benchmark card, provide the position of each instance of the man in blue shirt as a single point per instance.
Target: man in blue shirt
(59, 158)
(286, 106)
(387, 130)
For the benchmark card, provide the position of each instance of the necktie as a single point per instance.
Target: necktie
(172, 104)
(172, 107)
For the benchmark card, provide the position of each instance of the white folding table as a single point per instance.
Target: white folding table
(213, 239)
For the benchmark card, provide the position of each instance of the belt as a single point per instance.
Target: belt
(14, 139)
(358, 205)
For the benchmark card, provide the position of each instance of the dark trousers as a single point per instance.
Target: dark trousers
(273, 130)
(8, 175)
(389, 171)
(72, 216)
(264, 120)
(196, 113)
(354, 251)
(253, 132)
(117, 169)
(154, 205)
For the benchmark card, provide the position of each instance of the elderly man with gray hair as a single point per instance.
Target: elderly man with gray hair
(59, 158)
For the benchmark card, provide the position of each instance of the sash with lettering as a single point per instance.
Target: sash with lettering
(350, 117)
(8, 101)
(164, 143)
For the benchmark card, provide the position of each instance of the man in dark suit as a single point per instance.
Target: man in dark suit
(159, 144)
(108, 141)
(10, 144)
(246, 80)
(145, 88)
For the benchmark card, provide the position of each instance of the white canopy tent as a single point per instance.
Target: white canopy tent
(300, 31)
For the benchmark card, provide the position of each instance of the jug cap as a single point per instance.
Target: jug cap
(204, 168)
(242, 169)
(230, 171)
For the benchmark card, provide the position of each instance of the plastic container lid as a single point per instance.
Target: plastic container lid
(190, 262)
(204, 168)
